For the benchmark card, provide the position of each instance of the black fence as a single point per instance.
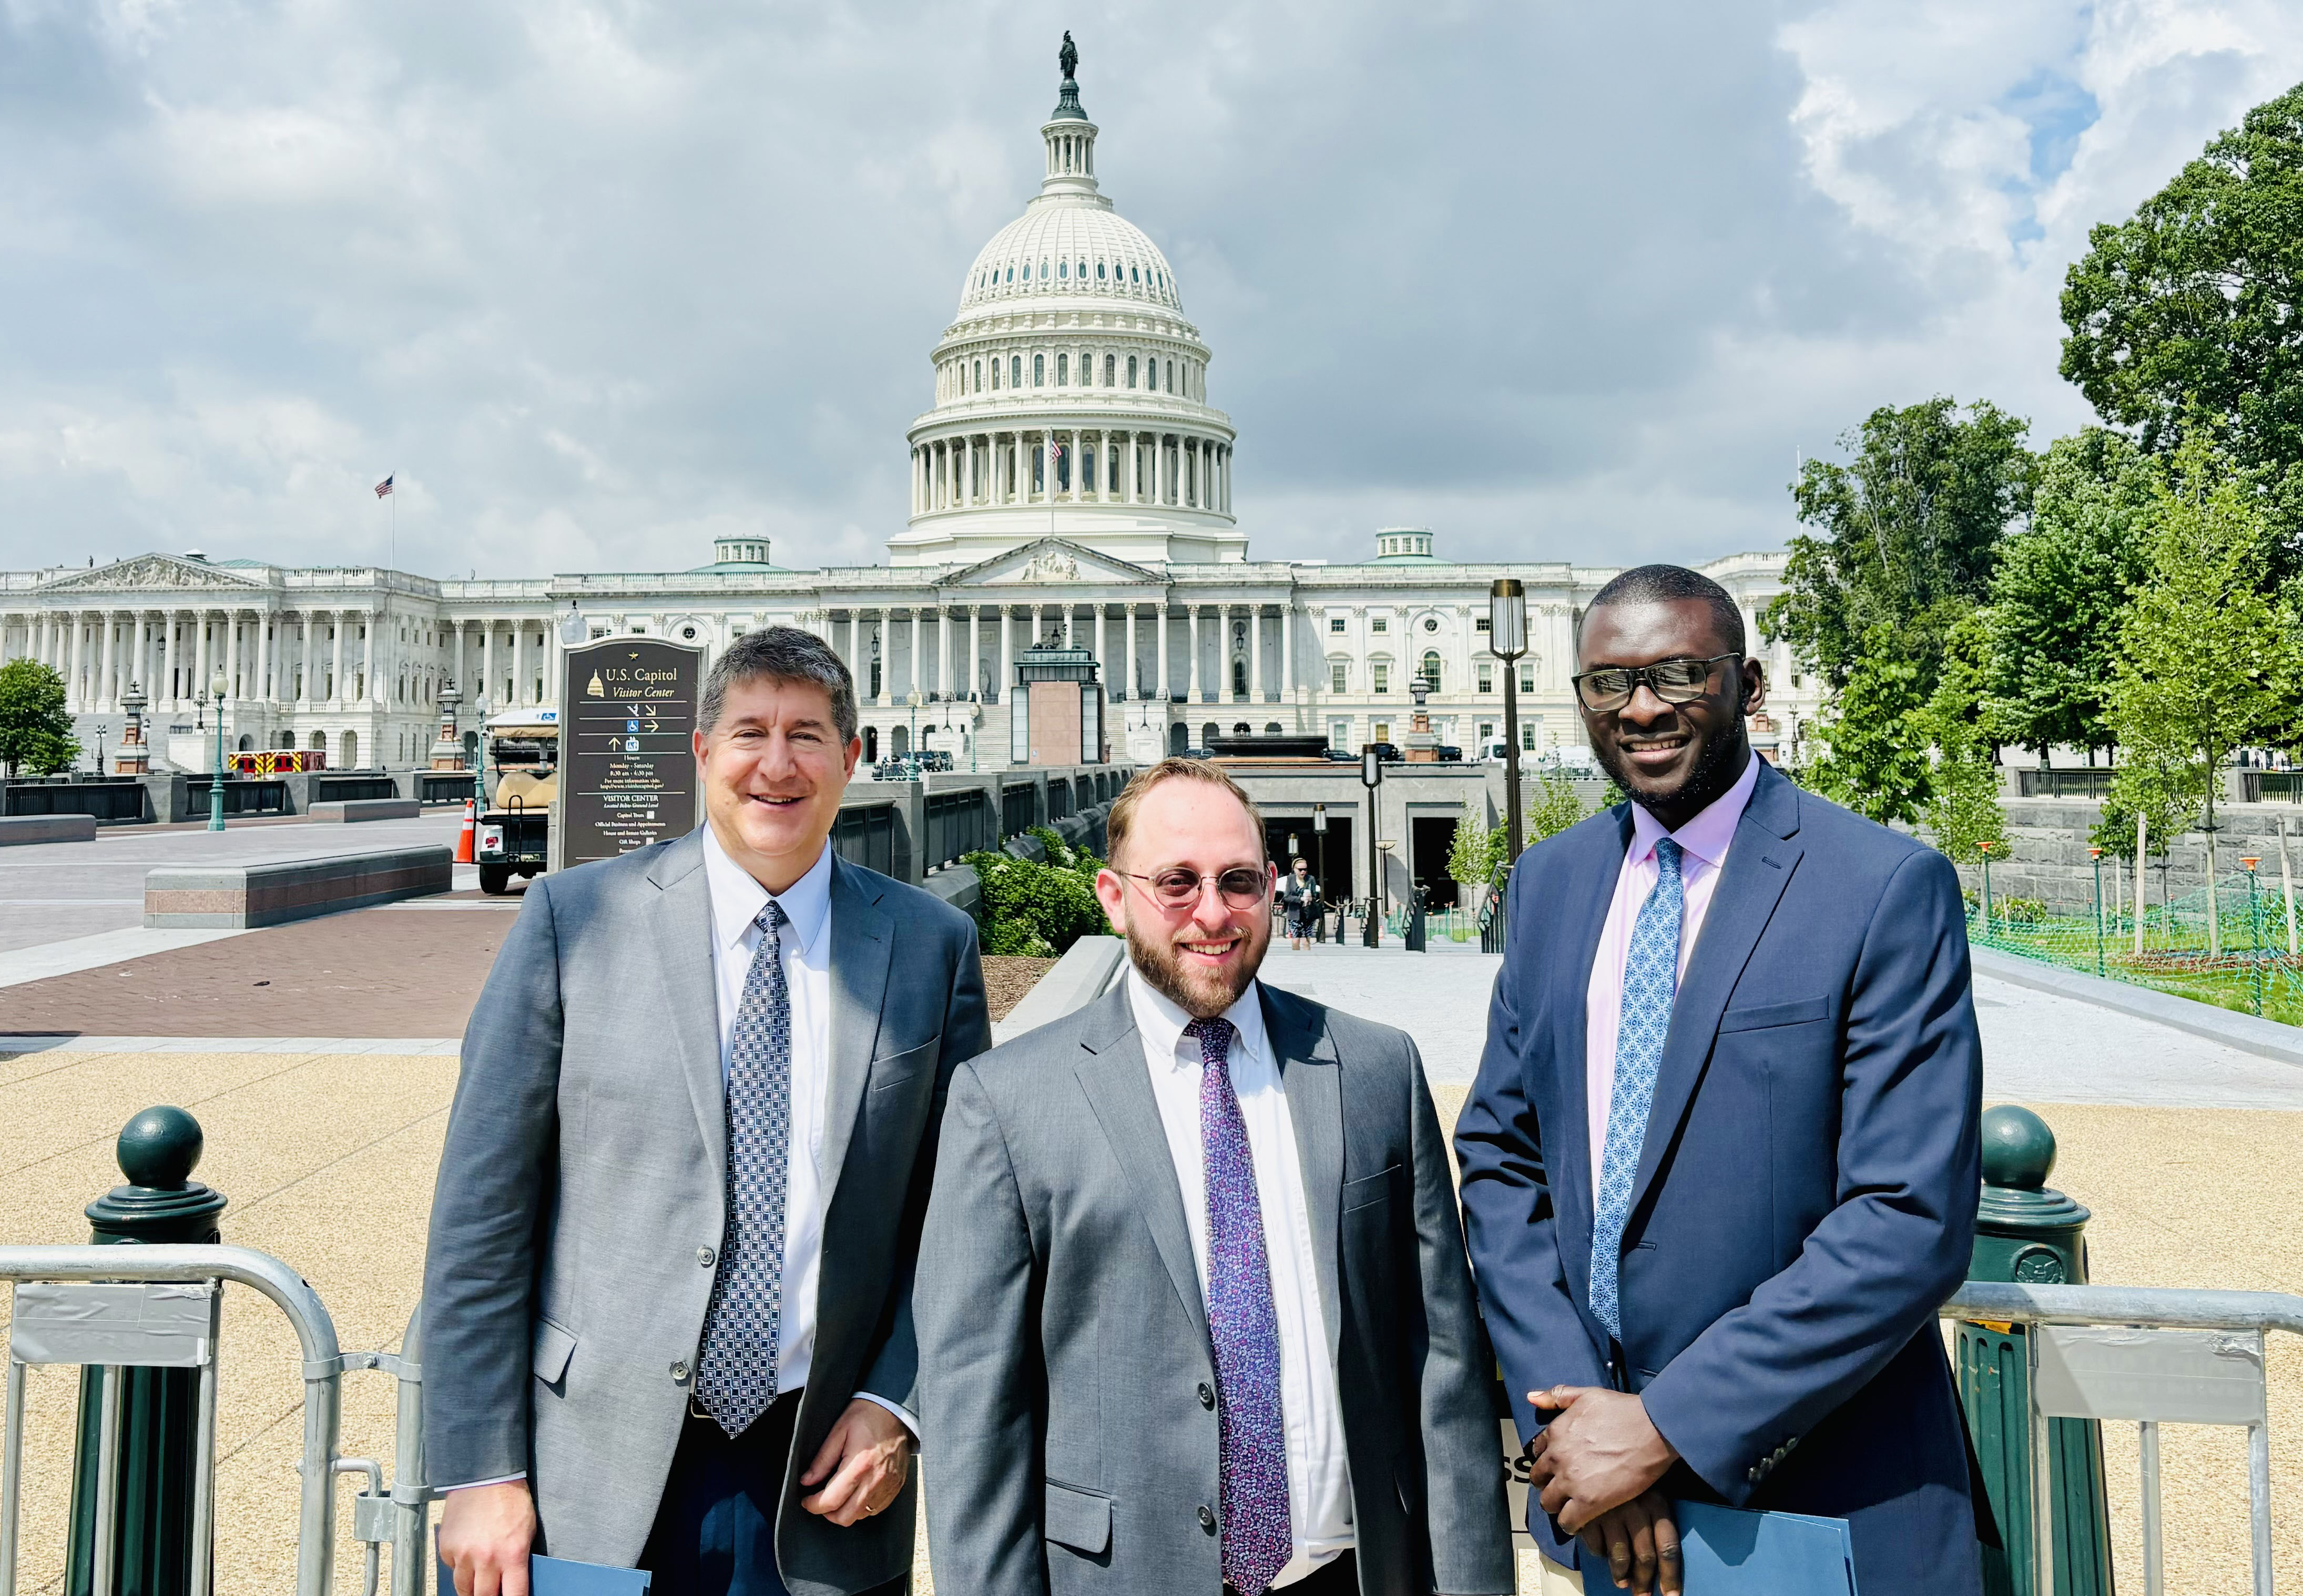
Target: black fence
(442, 787)
(241, 796)
(1018, 812)
(352, 789)
(958, 823)
(104, 800)
(2091, 783)
(867, 836)
(1060, 799)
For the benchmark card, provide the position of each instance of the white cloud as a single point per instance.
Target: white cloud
(599, 280)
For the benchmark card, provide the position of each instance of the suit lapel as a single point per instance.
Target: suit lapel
(1567, 1150)
(1118, 1086)
(1759, 866)
(1311, 1080)
(679, 946)
(862, 940)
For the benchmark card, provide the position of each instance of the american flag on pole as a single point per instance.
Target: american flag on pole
(384, 487)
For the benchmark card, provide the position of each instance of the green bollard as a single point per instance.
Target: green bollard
(157, 1430)
(2029, 1234)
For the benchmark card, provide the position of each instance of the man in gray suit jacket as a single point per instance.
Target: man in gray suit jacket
(1193, 1306)
(668, 1299)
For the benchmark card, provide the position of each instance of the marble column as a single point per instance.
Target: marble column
(912, 667)
(1255, 653)
(1287, 650)
(975, 648)
(1127, 665)
(1193, 610)
(1007, 651)
(1167, 682)
(201, 668)
(173, 690)
(1102, 660)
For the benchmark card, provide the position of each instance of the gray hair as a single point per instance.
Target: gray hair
(781, 654)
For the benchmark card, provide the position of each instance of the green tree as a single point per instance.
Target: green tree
(1553, 807)
(2195, 295)
(1962, 807)
(36, 734)
(1876, 757)
(2058, 597)
(2208, 660)
(1472, 856)
(1034, 909)
(1905, 534)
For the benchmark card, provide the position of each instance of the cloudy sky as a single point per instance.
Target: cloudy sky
(599, 280)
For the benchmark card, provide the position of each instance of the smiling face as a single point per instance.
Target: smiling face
(773, 769)
(1673, 759)
(1201, 957)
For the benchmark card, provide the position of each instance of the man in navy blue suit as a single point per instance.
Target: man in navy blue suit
(1720, 1166)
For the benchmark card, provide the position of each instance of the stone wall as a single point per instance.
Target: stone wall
(2049, 860)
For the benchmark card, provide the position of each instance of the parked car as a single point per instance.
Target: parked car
(1197, 754)
(1341, 756)
(1389, 752)
(1492, 751)
(1448, 754)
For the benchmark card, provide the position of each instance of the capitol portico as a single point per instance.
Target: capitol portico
(1071, 480)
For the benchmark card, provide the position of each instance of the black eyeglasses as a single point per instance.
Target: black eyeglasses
(1674, 681)
(1179, 888)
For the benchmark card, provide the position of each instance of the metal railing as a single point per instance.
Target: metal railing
(99, 1313)
(958, 823)
(2148, 1356)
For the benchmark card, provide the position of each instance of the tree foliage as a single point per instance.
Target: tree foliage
(1906, 535)
(1962, 805)
(2195, 297)
(35, 733)
(1553, 807)
(1876, 756)
(2060, 595)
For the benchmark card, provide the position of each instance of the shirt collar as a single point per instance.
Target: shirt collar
(1708, 834)
(1162, 1021)
(738, 897)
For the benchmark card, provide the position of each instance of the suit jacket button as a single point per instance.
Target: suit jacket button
(703, 1255)
(1207, 1518)
(1752, 1473)
(1206, 1395)
(679, 1373)
(1780, 1452)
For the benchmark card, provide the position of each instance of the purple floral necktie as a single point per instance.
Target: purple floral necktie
(1258, 1534)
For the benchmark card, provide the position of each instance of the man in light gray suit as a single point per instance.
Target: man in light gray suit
(1193, 1306)
(668, 1299)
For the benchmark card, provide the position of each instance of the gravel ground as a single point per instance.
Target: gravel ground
(1008, 977)
(329, 1161)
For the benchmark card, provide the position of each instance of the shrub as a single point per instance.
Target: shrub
(1033, 909)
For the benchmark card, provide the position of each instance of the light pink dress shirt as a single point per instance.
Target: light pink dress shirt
(1705, 840)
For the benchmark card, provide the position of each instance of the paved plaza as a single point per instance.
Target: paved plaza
(319, 1059)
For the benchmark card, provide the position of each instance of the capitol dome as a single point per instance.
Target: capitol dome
(1070, 392)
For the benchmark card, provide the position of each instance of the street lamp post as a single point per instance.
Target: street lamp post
(217, 687)
(1372, 777)
(1507, 641)
(912, 706)
(479, 753)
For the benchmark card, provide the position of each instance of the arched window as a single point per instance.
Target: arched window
(1063, 370)
(1063, 268)
(1083, 270)
(1131, 370)
(979, 376)
(1431, 668)
(1133, 276)
(1111, 364)
(1099, 271)
(1015, 371)
(1171, 377)
(1043, 270)
(1011, 270)
(995, 372)
(1039, 371)
(1208, 733)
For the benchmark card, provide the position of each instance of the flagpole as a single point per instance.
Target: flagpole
(394, 480)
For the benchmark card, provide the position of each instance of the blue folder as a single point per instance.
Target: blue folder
(556, 1576)
(1731, 1552)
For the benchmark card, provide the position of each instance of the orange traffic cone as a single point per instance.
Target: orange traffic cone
(464, 841)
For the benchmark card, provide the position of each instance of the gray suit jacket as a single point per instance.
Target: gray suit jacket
(1068, 1418)
(584, 1180)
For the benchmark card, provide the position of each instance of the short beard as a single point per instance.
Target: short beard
(1161, 964)
(1716, 770)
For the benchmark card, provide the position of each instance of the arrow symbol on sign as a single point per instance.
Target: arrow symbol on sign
(636, 708)
(656, 726)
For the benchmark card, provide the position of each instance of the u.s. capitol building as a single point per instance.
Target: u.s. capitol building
(1073, 478)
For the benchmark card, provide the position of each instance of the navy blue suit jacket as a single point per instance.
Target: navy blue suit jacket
(1806, 1188)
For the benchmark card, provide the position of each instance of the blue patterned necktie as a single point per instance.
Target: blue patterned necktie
(736, 1373)
(1259, 1535)
(1650, 982)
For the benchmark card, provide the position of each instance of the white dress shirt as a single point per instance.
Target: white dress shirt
(737, 901)
(1703, 843)
(1318, 1474)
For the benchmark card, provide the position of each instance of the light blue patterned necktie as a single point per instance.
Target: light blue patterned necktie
(1650, 982)
(1259, 1535)
(736, 1372)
